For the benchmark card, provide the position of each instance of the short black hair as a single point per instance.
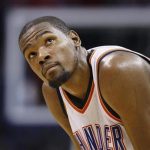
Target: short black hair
(54, 21)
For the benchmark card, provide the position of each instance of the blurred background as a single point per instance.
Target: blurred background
(25, 123)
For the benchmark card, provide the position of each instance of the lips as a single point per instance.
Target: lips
(48, 66)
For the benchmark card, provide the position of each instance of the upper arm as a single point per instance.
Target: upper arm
(52, 101)
(125, 85)
(55, 108)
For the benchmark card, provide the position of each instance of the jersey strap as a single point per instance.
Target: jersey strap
(61, 102)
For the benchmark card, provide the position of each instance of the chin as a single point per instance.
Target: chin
(58, 81)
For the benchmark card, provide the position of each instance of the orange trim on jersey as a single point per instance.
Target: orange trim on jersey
(100, 98)
(87, 102)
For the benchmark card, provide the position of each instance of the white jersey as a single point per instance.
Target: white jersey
(95, 125)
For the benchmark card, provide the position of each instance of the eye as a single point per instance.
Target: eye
(32, 55)
(48, 41)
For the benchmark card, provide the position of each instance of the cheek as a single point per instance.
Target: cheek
(68, 59)
(66, 51)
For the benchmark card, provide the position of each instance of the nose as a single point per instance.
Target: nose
(43, 56)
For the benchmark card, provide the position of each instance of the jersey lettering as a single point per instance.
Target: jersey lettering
(99, 136)
(107, 137)
(90, 136)
(80, 140)
(117, 137)
(90, 140)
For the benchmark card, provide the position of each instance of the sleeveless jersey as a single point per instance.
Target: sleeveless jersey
(95, 126)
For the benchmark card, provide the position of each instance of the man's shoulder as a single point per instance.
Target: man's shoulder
(123, 59)
(120, 74)
(47, 90)
(101, 52)
(114, 53)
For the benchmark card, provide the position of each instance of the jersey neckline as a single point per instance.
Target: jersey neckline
(77, 103)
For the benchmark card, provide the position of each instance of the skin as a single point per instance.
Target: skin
(128, 93)
(47, 48)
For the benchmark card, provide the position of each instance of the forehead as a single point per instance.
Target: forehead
(39, 26)
(36, 31)
(44, 26)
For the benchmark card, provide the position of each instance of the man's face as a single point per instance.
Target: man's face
(50, 53)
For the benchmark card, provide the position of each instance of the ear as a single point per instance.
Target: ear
(75, 37)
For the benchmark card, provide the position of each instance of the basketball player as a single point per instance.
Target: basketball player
(100, 97)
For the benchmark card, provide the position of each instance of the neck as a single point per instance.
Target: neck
(78, 82)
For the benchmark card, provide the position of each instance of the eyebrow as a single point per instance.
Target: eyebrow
(26, 47)
(29, 45)
(42, 34)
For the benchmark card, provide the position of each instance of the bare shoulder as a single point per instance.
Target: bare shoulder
(122, 73)
(123, 60)
(53, 103)
(46, 89)
(52, 100)
(124, 80)
(50, 96)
